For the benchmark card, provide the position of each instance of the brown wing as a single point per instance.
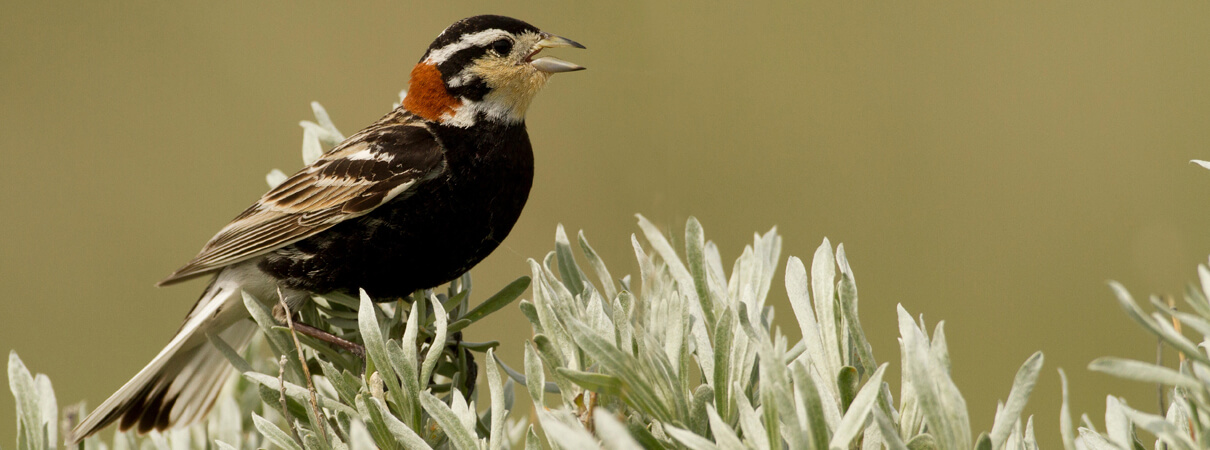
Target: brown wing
(366, 171)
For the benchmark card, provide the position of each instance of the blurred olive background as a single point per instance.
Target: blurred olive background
(991, 165)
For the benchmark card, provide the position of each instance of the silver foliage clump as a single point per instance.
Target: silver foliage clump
(686, 357)
(1186, 422)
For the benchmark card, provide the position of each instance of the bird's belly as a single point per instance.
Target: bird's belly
(421, 241)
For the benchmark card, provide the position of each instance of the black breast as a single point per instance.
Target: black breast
(429, 235)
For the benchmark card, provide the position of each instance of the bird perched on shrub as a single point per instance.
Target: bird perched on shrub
(410, 202)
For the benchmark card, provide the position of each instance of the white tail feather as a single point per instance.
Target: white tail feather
(182, 382)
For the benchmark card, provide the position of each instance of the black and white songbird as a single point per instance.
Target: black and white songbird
(411, 202)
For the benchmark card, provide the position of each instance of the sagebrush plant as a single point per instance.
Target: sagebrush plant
(684, 356)
(1186, 422)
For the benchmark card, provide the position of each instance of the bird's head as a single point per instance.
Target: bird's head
(483, 68)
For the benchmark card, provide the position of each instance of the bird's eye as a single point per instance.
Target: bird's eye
(502, 47)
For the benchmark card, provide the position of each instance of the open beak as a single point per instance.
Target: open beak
(550, 64)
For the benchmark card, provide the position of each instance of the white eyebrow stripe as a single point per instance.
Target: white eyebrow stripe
(484, 37)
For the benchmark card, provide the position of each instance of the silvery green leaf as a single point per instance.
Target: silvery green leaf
(613, 433)
(464, 412)
(797, 288)
(1141, 371)
(515, 376)
(278, 341)
(231, 354)
(321, 116)
(749, 421)
(531, 440)
(847, 380)
(1023, 385)
(1203, 276)
(1117, 426)
(871, 436)
(510, 390)
(376, 348)
(551, 357)
(1030, 441)
(531, 314)
(722, 432)
(535, 378)
(1178, 340)
(343, 383)
(312, 150)
(859, 411)
(922, 442)
(597, 382)
(774, 386)
(448, 421)
(297, 393)
(810, 407)
(1195, 322)
(939, 400)
(715, 274)
(741, 285)
(721, 380)
(30, 425)
(375, 421)
(625, 367)
(544, 296)
(441, 320)
(1196, 299)
(1065, 425)
(598, 319)
(598, 266)
(359, 436)
(49, 409)
(1160, 427)
(273, 433)
(695, 253)
(846, 292)
(646, 268)
(938, 347)
(494, 303)
(823, 277)
(565, 432)
(890, 435)
(699, 422)
(275, 178)
(675, 320)
(688, 439)
(984, 442)
(1159, 328)
(677, 268)
(223, 445)
(311, 442)
(404, 361)
(496, 437)
(568, 268)
(1095, 441)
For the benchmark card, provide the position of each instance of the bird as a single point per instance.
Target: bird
(411, 202)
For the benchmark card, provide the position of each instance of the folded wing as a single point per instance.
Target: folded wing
(367, 170)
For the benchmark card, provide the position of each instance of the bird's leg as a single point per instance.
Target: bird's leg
(291, 320)
(349, 346)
